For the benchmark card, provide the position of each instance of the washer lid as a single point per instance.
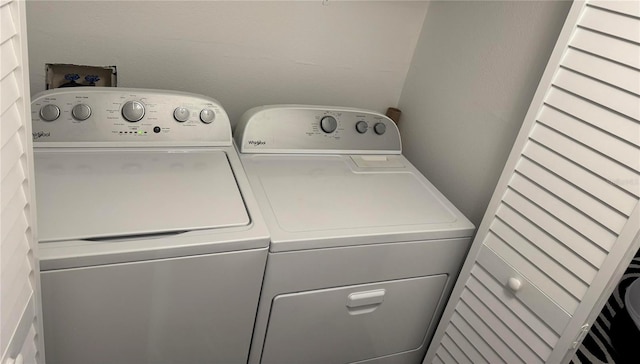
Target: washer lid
(85, 194)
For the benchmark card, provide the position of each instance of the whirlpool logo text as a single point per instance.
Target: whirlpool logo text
(40, 134)
(257, 143)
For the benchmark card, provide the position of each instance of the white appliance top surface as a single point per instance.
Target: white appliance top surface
(101, 193)
(326, 195)
(340, 196)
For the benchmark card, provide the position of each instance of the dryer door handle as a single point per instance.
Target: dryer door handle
(367, 298)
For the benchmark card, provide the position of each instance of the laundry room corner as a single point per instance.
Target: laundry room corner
(475, 70)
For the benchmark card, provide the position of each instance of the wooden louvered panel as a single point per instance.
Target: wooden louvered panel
(464, 345)
(12, 183)
(570, 238)
(10, 154)
(15, 233)
(565, 211)
(9, 91)
(582, 201)
(595, 91)
(480, 280)
(587, 181)
(581, 223)
(611, 146)
(13, 209)
(7, 25)
(603, 119)
(455, 352)
(611, 24)
(475, 339)
(445, 356)
(510, 243)
(513, 320)
(437, 360)
(536, 276)
(18, 264)
(604, 46)
(29, 350)
(8, 60)
(567, 258)
(10, 125)
(621, 6)
(530, 295)
(501, 348)
(603, 70)
(504, 332)
(587, 158)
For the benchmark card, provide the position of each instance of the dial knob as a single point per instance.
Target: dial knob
(379, 128)
(207, 116)
(49, 112)
(81, 112)
(181, 114)
(328, 124)
(362, 127)
(133, 111)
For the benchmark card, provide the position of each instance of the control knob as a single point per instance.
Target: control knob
(181, 114)
(379, 128)
(49, 112)
(207, 116)
(362, 127)
(133, 111)
(328, 124)
(81, 112)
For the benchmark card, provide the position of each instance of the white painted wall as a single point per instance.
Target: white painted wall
(475, 70)
(242, 53)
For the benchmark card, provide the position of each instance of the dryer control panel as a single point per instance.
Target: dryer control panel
(316, 129)
(120, 116)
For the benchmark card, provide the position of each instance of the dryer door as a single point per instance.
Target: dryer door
(349, 324)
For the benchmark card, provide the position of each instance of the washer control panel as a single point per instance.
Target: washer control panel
(316, 129)
(128, 116)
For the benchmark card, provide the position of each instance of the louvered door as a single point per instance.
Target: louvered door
(563, 222)
(20, 338)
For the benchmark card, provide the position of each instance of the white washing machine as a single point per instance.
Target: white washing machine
(152, 247)
(364, 250)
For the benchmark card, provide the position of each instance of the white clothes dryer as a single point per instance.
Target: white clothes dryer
(152, 247)
(364, 249)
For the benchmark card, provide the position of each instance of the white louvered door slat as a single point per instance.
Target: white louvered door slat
(610, 23)
(599, 117)
(591, 137)
(516, 324)
(583, 179)
(564, 220)
(579, 199)
(603, 70)
(613, 49)
(621, 6)
(21, 328)
(455, 352)
(461, 342)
